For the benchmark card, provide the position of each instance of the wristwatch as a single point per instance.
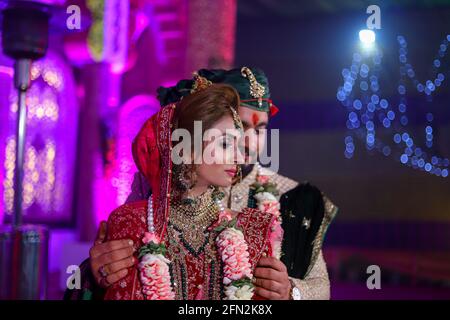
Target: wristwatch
(295, 292)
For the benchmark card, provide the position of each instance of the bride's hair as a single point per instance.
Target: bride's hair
(208, 106)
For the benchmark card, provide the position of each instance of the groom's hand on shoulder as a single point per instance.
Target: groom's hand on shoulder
(110, 260)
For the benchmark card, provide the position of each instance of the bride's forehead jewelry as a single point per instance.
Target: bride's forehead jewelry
(257, 90)
(200, 83)
(236, 119)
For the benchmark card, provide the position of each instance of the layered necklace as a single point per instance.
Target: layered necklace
(195, 264)
(191, 218)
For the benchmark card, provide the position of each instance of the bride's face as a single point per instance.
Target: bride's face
(220, 154)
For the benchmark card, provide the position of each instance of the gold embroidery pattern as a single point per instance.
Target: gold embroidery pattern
(192, 273)
(200, 83)
(330, 212)
(256, 226)
(164, 145)
(316, 286)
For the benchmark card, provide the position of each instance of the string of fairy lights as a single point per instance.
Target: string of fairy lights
(384, 125)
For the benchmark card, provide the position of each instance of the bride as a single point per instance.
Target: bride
(187, 243)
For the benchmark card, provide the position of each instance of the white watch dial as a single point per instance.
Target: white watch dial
(296, 295)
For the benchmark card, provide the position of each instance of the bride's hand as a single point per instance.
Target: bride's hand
(271, 279)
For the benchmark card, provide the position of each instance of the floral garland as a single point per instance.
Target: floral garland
(265, 194)
(154, 266)
(233, 250)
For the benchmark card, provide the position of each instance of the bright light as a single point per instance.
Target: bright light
(367, 37)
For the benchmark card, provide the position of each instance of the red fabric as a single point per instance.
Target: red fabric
(152, 154)
(129, 222)
(146, 153)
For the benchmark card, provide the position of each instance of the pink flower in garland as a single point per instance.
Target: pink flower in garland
(155, 277)
(276, 238)
(224, 216)
(150, 237)
(270, 207)
(262, 179)
(267, 202)
(234, 251)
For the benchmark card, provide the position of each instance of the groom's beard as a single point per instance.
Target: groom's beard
(250, 156)
(250, 159)
(246, 169)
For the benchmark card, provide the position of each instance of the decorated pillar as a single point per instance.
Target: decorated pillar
(211, 34)
(101, 52)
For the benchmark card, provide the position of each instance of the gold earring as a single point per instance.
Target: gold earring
(239, 173)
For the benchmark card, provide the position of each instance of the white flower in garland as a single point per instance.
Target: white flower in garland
(244, 292)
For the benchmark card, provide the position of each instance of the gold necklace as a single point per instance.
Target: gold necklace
(191, 220)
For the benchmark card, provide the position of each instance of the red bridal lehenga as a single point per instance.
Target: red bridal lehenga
(186, 252)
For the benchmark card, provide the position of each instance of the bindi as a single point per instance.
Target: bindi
(255, 119)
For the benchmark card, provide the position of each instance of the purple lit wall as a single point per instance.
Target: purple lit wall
(50, 143)
(114, 188)
(211, 34)
(6, 76)
(132, 116)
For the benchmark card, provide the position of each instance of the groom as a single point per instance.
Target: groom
(306, 213)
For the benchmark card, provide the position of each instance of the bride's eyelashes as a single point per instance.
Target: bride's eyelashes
(226, 144)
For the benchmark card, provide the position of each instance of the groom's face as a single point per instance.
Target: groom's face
(254, 122)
